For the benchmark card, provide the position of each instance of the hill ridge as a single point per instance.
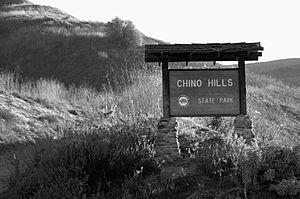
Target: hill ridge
(14, 2)
(286, 70)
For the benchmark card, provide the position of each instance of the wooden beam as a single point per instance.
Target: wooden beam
(202, 52)
(166, 94)
(212, 56)
(242, 81)
(211, 47)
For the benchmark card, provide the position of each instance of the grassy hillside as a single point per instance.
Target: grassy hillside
(275, 105)
(40, 41)
(24, 100)
(120, 129)
(286, 70)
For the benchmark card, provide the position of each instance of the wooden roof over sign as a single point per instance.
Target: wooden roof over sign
(203, 52)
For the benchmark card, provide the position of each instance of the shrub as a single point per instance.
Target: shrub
(7, 115)
(279, 163)
(86, 162)
(290, 187)
(122, 34)
(253, 170)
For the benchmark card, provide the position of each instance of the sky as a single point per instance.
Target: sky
(274, 23)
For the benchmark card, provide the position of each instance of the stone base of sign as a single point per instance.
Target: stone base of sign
(243, 127)
(173, 163)
(166, 140)
(167, 149)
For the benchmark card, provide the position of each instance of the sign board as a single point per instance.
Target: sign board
(205, 92)
(210, 92)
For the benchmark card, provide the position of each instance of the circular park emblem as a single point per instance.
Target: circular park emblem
(183, 101)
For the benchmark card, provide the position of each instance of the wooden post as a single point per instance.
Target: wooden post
(166, 94)
(242, 81)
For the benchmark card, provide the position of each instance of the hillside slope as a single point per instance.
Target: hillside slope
(16, 15)
(286, 70)
(275, 108)
(46, 109)
(44, 42)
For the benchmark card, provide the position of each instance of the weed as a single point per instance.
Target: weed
(50, 118)
(85, 162)
(7, 115)
(44, 102)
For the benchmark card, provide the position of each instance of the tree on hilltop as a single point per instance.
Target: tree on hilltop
(122, 34)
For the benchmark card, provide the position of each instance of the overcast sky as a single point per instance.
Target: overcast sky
(274, 23)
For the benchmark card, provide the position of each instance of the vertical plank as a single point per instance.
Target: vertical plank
(242, 81)
(166, 94)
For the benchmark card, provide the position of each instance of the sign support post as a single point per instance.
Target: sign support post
(165, 91)
(242, 82)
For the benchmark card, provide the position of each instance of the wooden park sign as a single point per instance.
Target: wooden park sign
(203, 92)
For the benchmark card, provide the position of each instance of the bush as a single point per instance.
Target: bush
(279, 163)
(268, 169)
(290, 187)
(122, 34)
(86, 162)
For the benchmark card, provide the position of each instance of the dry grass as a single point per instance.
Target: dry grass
(141, 100)
(139, 104)
(44, 89)
(7, 115)
(268, 101)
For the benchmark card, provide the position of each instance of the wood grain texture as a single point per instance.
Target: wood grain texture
(166, 94)
(242, 80)
(202, 52)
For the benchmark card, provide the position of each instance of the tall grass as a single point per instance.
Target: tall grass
(46, 89)
(137, 100)
(141, 99)
(273, 107)
(126, 137)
